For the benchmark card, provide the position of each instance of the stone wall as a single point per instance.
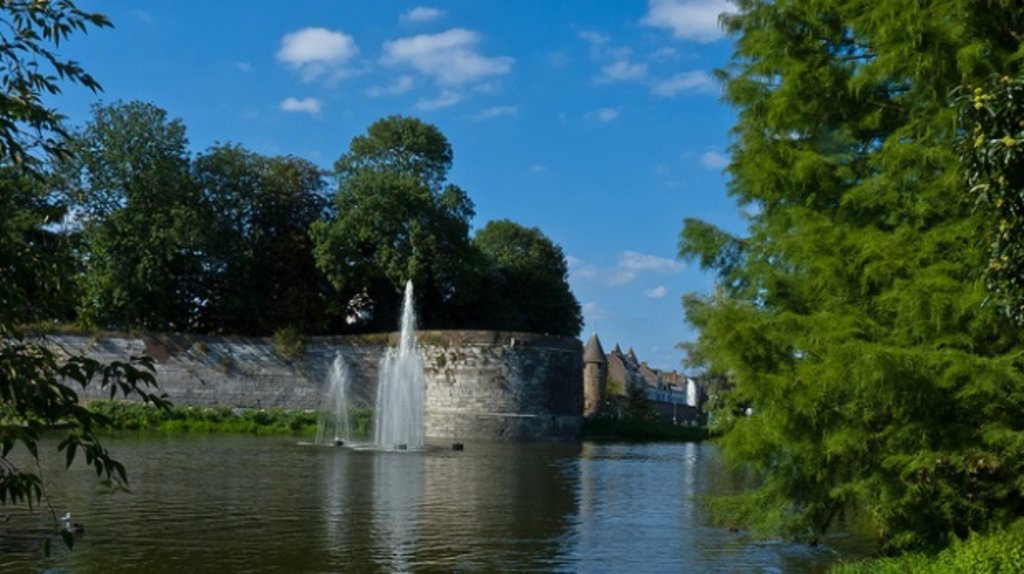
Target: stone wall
(480, 384)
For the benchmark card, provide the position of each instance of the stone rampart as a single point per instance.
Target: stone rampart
(480, 384)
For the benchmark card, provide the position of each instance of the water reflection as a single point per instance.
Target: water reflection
(233, 504)
(397, 495)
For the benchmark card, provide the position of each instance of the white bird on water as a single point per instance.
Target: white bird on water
(68, 526)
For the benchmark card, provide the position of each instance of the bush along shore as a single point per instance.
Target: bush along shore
(998, 551)
(609, 428)
(123, 415)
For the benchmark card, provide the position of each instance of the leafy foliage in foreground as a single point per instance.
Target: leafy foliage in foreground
(34, 398)
(37, 384)
(991, 151)
(851, 318)
(1001, 551)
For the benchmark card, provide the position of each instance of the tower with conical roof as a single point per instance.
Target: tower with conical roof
(595, 376)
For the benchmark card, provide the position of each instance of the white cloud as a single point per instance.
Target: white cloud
(243, 66)
(421, 14)
(640, 262)
(656, 293)
(443, 100)
(400, 86)
(449, 58)
(693, 81)
(712, 159)
(622, 70)
(317, 52)
(695, 20)
(538, 169)
(558, 59)
(495, 112)
(309, 106)
(606, 115)
(665, 53)
(628, 267)
(595, 39)
(592, 311)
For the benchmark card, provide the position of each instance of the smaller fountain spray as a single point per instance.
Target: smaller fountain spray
(333, 427)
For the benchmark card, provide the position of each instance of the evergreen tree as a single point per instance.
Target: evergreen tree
(850, 318)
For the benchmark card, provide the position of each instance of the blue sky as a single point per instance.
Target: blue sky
(596, 121)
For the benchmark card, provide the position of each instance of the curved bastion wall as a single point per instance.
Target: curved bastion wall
(480, 384)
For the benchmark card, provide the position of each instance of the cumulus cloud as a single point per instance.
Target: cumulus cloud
(558, 59)
(443, 100)
(400, 86)
(695, 20)
(309, 106)
(317, 52)
(640, 262)
(495, 112)
(629, 266)
(605, 115)
(592, 311)
(693, 81)
(596, 40)
(449, 58)
(657, 293)
(621, 71)
(421, 14)
(712, 159)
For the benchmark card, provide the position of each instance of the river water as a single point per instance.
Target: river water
(256, 504)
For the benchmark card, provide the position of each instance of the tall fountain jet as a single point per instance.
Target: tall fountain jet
(400, 412)
(333, 426)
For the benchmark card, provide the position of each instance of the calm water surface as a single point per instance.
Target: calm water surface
(251, 504)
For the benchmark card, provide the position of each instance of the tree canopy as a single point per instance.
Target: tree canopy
(128, 180)
(396, 219)
(527, 286)
(258, 272)
(851, 317)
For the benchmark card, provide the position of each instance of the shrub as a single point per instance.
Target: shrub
(289, 343)
(997, 552)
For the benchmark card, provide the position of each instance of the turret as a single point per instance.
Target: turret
(595, 377)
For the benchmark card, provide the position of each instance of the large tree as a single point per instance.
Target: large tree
(396, 219)
(128, 177)
(258, 270)
(527, 282)
(38, 386)
(851, 318)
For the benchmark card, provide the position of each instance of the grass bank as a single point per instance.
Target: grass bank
(138, 416)
(627, 429)
(1001, 551)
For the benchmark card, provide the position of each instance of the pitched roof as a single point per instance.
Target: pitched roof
(593, 353)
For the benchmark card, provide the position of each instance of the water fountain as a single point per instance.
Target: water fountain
(400, 411)
(333, 427)
(692, 393)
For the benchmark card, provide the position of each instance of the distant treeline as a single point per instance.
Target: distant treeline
(142, 234)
